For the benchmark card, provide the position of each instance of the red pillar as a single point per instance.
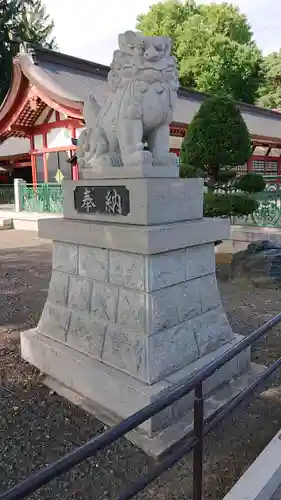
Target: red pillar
(250, 164)
(75, 168)
(45, 166)
(33, 161)
(75, 172)
(73, 132)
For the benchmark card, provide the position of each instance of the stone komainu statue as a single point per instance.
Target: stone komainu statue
(136, 115)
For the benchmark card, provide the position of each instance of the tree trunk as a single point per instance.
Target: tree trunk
(213, 177)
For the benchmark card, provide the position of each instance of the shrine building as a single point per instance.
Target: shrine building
(42, 116)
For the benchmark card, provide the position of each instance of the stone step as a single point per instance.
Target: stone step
(6, 224)
(160, 444)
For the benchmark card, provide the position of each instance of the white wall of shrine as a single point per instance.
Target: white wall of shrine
(57, 137)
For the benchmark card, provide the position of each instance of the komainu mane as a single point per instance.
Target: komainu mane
(132, 128)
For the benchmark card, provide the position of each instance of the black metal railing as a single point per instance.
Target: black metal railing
(195, 442)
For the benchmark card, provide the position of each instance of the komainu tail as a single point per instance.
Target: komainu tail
(86, 143)
(91, 110)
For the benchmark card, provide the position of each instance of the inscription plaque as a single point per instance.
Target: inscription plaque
(108, 200)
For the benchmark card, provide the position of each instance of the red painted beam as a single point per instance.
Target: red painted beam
(28, 131)
(22, 164)
(52, 150)
(46, 127)
(49, 114)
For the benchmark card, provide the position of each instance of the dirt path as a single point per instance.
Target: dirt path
(37, 427)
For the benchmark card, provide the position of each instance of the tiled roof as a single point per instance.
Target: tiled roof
(75, 77)
(76, 82)
(64, 81)
(79, 77)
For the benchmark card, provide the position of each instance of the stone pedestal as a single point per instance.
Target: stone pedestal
(133, 307)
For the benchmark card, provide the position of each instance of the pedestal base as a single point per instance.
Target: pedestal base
(112, 395)
(133, 308)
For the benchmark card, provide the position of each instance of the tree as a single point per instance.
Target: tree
(35, 25)
(25, 20)
(270, 91)
(213, 45)
(167, 18)
(8, 10)
(216, 142)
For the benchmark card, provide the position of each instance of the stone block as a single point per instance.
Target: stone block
(230, 370)
(163, 312)
(130, 172)
(145, 240)
(208, 292)
(65, 257)
(132, 310)
(165, 269)
(176, 379)
(54, 321)
(152, 200)
(93, 263)
(58, 289)
(211, 330)
(200, 261)
(89, 377)
(127, 270)
(179, 303)
(6, 224)
(172, 200)
(125, 350)
(86, 334)
(79, 293)
(189, 301)
(104, 302)
(120, 395)
(170, 350)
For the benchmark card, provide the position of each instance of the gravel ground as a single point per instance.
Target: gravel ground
(37, 427)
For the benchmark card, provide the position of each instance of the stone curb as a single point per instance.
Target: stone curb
(263, 477)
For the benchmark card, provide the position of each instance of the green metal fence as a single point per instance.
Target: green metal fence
(49, 198)
(268, 213)
(7, 195)
(41, 198)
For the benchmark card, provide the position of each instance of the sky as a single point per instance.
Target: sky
(89, 28)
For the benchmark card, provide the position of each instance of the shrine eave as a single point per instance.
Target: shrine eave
(46, 88)
(12, 158)
(30, 92)
(45, 78)
(15, 100)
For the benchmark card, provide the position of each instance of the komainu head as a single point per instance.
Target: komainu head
(138, 53)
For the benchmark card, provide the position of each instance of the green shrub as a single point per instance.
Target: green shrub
(216, 142)
(216, 138)
(228, 204)
(188, 171)
(250, 183)
(216, 205)
(243, 205)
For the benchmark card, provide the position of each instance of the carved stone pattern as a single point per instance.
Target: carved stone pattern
(145, 315)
